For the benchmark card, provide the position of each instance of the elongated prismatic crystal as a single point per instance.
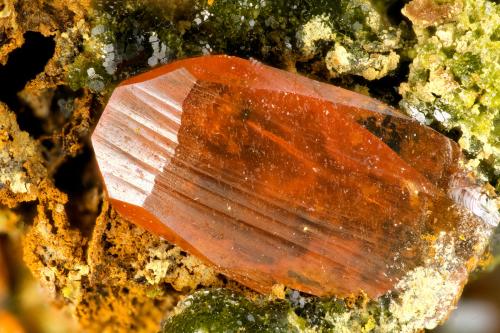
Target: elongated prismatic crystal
(275, 178)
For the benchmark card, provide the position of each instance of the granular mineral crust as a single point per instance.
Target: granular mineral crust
(21, 164)
(273, 178)
(454, 75)
(123, 273)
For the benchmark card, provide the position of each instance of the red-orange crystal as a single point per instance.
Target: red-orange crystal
(275, 178)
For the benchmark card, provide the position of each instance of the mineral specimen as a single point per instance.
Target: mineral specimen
(21, 166)
(455, 73)
(274, 178)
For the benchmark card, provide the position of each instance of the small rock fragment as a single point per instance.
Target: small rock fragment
(21, 165)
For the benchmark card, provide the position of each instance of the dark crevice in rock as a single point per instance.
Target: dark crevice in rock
(24, 64)
(28, 212)
(386, 88)
(77, 177)
(394, 11)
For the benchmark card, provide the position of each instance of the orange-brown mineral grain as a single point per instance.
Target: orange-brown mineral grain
(274, 178)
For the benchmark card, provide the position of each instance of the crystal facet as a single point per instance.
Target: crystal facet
(275, 178)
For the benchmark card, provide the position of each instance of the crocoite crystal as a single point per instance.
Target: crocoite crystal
(274, 178)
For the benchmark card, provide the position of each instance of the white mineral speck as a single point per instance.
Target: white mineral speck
(96, 85)
(108, 48)
(357, 26)
(160, 51)
(441, 116)
(417, 114)
(97, 30)
(206, 14)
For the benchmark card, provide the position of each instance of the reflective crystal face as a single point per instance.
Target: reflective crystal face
(276, 178)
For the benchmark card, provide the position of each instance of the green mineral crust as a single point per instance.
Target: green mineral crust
(223, 311)
(455, 74)
(326, 37)
(361, 42)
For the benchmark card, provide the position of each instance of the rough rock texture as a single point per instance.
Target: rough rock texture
(97, 44)
(122, 279)
(324, 37)
(369, 52)
(134, 278)
(455, 73)
(21, 164)
(57, 19)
